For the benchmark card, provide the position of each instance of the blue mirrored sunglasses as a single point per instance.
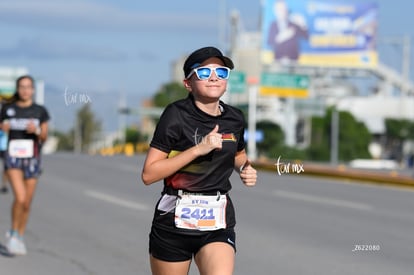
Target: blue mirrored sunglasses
(204, 73)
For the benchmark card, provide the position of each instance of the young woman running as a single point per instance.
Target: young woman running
(27, 128)
(196, 146)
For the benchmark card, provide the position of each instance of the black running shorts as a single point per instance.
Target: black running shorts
(173, 246)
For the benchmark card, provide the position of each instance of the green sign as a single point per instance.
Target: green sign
(284, 80)
(237, 82)
(284, 85)
(7, 88)
(310, 107)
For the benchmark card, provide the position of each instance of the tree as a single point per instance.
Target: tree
(169, 93)
(397, 131)
(87, 129)
(65, 141)
(133, 135)
(354, 138)
(273, 144)
(273, 139)
(319, 147)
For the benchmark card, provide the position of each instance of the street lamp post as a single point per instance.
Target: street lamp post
(334, 135)
(251, 140)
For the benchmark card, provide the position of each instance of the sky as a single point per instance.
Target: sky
(101, 51)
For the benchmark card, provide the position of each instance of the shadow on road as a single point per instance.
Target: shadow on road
(4, 252)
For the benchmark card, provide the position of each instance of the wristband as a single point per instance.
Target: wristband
(242, 167)
(38, 131)
(247, 163)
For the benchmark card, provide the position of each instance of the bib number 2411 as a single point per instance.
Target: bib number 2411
(200, 212)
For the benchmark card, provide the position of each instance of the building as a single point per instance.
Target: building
(329, 86)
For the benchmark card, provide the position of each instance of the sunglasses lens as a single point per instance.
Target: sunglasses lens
(222, 73)
(203, 73)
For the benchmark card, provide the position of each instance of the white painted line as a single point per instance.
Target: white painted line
(134, 169)
(116, 200)
(322, 200)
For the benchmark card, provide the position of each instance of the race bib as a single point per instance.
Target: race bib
(21, 148)
(199, 212)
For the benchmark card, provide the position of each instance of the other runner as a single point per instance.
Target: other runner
(26, 124)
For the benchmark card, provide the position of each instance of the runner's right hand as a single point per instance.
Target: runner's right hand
(212, 141)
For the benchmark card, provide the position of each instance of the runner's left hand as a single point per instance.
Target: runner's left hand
(248, 174)
(31, 127)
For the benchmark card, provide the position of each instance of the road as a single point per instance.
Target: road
(92, 214)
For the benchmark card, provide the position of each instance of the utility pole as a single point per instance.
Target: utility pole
(40, 92)
(122, 106)
(251, 134)
(222, 23)
(406, 51)
(405, 43)
(77, 139)
(406, 57)
(334, 135)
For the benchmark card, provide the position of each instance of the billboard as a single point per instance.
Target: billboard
(318, 33)
(8, 76)
(7, 88)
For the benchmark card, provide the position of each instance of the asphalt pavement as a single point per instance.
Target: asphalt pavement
(92, 215)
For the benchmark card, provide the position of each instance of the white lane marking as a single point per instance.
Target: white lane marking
(116, 200)
(135, 169)
(322, 200)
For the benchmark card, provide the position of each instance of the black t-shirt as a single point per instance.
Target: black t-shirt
(183, 125)
(19, 117)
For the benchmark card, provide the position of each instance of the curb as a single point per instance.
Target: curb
(381, 177)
